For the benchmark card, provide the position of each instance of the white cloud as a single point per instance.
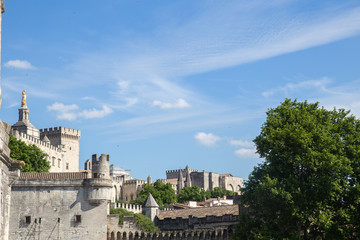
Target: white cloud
(60, 107)
(94, 113)
(68, 112)
(180, 103)
(246, 153)
(21, 64)
(207, 139)
(312, 85)
(241, 143)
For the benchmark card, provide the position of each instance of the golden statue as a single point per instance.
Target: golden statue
(23, 100)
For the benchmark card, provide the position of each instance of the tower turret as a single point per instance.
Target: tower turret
(150, 207)
(180, 184)
(23, 125)
(68, 140)
(188, 178)
(101, 166)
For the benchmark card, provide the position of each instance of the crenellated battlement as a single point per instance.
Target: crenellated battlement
(25, 137)
(61, 130)
(176, 171)
(134, 182)
(129, 207)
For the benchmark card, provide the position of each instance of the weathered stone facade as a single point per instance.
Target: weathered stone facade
(204, 180)
(9, 172)
(60, 206)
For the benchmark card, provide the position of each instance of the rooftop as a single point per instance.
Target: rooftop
(200, 212)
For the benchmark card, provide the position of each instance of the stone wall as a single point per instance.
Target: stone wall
(131, 189)
(59, 208)
(129, 207)
(129, 230)
(9, 172)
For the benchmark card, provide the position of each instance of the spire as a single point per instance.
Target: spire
(150, 202)
(46, 139)
(180, 180)
(188, 178)
(23, 125)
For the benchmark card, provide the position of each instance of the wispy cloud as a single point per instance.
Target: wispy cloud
(70, 112)
(20, 64)
(180, 103)
(319, 85)
(241, 143)
(207, 139)
(220, 35)
(246, 153)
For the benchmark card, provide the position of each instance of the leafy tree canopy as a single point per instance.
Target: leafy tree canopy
(143, 221)
(193, 193)
(34, 158)
(220, 192)
(308, 186)
(163, 193)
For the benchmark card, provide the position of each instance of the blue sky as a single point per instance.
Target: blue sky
(162, 84)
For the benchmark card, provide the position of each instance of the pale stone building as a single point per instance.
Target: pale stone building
(205, 180)
(61, 144)
(67, 205)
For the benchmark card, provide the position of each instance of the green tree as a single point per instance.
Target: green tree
(220, 192)
(34, 158)
(163, 193)
(193, 193)
(143, 221)
(308, 186)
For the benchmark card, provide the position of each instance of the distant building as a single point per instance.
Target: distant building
(204, 180)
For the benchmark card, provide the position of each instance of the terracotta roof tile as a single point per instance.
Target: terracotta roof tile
(200, 212)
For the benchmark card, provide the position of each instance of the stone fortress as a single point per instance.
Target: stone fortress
(206, 180)
(68, 203)
(61, 144)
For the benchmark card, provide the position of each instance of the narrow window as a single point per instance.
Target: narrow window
(28, 219)
(53, 161)
(77, 218)
(67, 166)
(59, 162)
(95, 175)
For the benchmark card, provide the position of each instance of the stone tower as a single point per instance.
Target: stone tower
(149, 180)
(101, 166)
(180, 184)
(188, 178)
(150, 207)
(24, 125)
(67, 139)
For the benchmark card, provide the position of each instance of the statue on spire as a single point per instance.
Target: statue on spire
(23, 100)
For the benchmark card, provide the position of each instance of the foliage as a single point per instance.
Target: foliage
(220, 192)
(163, 194)
(308, 185)
(144, 222)
(34, 158)
(193, 193)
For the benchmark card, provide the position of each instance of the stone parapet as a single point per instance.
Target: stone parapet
(61, 130)
(60, 175)
(32, 140)
(129, 207)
